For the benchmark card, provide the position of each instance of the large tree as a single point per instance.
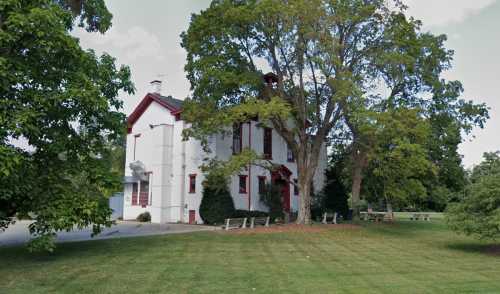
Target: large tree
(59, 109)
(328, 60)
(399, 159)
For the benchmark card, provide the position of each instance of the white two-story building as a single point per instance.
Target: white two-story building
(162, 174)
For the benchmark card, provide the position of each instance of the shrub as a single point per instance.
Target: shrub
(478, 213)
(144, 217)
(216, 203)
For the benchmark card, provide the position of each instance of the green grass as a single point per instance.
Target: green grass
(406, 257)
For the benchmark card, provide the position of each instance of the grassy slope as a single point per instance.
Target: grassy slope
(402, 258)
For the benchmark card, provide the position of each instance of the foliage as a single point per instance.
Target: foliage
(478, 212)
(327, 60)
(334, 196)
(273, 200)
(399, 159)
(217, 203)
(59, 111)
(144, 217)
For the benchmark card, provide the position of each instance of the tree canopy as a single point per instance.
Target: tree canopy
(59, 109)
(331, 62)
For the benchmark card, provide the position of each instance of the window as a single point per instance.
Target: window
(192, 183)
(243, 184)
(268, 143)
(237, 134)
(144, 193)
(262, 185)
(135, 189)
(289, 155)
(295, 187)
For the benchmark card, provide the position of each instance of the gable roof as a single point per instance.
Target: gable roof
(169, 102)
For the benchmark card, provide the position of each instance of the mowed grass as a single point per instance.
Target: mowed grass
(405, 257)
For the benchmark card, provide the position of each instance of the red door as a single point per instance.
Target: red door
(192, 217)
(282, 177)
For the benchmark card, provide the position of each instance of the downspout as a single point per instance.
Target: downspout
(183, 180)
(249, 166)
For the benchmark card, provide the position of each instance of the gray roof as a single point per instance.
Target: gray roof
(172, 101)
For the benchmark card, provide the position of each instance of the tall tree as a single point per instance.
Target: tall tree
(410, 66)
(61, 102)
(399, 159)
(327, 59)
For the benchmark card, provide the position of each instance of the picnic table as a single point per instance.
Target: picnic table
(376, 216)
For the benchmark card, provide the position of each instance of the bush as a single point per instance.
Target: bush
(478, 213)
(334, 196)
(217, 203)
(144, 217)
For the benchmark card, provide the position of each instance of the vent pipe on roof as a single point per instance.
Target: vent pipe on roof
(156, 87)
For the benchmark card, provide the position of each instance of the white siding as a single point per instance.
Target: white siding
(172, 160)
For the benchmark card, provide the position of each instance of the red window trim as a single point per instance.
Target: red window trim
(245, 190)
(268, 138)
(192, 179)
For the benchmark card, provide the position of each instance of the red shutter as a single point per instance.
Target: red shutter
(192, 183)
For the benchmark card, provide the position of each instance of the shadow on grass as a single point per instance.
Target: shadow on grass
(479, 248)
(405, 229)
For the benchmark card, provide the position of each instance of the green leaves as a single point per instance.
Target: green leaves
(62, 103)
(478, 212)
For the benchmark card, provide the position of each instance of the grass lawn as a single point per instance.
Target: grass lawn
(406, 257)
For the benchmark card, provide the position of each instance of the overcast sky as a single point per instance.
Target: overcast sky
(145, 36)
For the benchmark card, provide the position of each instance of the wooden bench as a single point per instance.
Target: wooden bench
(420, 216)
(259, 221)
(235, 223)
(331, 216)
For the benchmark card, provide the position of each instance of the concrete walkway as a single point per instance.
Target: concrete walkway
(19, 234)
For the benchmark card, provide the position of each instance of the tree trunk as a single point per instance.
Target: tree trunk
(304, 183)
(359, 162)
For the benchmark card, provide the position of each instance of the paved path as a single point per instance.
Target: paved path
(19, 234)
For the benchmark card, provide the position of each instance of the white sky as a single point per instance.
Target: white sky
(145, 35)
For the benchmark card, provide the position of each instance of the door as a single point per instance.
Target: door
(192, 217)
